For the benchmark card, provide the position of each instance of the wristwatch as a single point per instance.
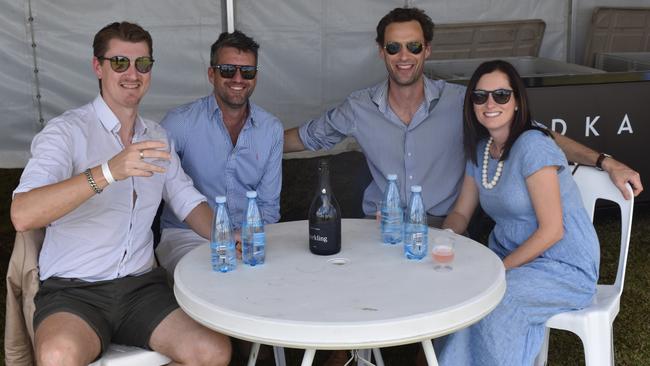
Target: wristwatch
(599, 161)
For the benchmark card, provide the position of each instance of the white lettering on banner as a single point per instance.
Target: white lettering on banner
(625, 125)
(555, 121)
(589, 126)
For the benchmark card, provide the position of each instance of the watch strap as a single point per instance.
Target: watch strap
(599, 161)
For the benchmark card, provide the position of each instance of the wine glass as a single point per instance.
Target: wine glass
(443, 252)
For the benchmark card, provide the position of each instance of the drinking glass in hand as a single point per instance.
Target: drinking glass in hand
(159, 135)
(442, 252)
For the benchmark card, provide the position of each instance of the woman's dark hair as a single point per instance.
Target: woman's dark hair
(474, 131)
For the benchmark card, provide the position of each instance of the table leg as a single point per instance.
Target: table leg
(427, 346)
(252, 357)
(308, 358)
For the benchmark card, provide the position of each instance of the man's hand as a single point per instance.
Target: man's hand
(131, 162)
(620, 174)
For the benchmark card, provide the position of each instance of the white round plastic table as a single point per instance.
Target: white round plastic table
(366, 296)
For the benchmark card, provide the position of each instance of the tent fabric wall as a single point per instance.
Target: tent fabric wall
(313, 52)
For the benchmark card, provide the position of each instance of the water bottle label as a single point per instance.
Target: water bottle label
(259, 238)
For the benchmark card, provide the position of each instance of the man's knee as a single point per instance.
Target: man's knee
(61, 351)
(209, 348)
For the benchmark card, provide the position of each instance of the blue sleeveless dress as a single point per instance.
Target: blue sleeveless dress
(563, 278)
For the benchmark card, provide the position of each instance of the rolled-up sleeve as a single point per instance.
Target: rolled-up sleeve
(51, 160)
(328, 130)
(179, 192)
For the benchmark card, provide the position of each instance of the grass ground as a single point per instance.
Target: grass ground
(631, 328)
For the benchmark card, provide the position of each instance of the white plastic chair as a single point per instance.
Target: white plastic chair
(119, 355)
(594, 324)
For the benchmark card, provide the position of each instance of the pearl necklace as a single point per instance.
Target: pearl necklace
(497, 174)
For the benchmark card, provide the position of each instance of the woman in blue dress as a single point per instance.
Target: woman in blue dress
(543, 234)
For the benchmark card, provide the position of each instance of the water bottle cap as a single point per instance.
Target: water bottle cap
(251, 194)
(220, 199)
(416, 189)
(391, 176)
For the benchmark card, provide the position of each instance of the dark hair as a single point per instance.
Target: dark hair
(124, 31)
(473, 131)
(400, 15)
(236, 40)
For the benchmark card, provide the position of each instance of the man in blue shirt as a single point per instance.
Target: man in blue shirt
(226, 144)
(411, 126)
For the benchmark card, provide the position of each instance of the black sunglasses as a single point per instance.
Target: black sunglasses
(501, 96)
(394, 47)
(228, 71)
(121, 63)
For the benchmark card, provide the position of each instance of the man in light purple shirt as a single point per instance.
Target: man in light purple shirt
(94, 181)
(226, 144)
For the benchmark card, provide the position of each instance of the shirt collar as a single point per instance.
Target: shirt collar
(379, 95)
(109, 120)
(213, 108)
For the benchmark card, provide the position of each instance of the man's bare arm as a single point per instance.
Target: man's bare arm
(618, 172)
(41, 206)
(292, 141)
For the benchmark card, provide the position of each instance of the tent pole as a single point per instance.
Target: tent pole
(230, 16)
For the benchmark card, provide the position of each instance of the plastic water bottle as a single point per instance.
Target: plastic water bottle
(416, 231)
(252, 233)
(222, 245)
(392, 213)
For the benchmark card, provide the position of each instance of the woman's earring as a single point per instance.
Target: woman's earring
(516, 108)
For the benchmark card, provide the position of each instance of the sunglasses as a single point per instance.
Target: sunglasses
(392, 48)
(121, 63)
(501, 96)
(227, 71)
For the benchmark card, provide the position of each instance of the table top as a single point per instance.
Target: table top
(368, 295)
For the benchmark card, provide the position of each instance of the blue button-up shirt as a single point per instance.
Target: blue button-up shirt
(427, 152)
(218, 168)
(109, 235)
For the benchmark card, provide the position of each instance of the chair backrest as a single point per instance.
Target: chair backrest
(595, 184)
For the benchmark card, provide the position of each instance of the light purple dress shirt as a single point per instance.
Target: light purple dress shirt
(108, 236)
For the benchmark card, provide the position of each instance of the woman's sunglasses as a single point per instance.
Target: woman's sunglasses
(121, 63)
(501, 96)
(392, 48)
(228, 71)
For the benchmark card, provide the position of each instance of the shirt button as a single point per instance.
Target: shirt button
(409, 154)
(410, 177)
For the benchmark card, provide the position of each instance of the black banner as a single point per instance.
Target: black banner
(612, 118)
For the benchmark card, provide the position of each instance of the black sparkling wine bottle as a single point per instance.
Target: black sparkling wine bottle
(324, 217)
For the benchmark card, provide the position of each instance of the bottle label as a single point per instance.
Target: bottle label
(259, 238)
(323, 237)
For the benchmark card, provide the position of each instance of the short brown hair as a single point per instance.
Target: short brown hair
(401, 15)
(124, 31)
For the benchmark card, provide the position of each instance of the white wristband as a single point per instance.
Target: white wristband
(107, 173)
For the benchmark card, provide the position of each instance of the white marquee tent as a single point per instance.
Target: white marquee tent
(313, 52)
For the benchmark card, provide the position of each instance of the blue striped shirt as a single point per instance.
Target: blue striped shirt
(220, 169)
(426, 152)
